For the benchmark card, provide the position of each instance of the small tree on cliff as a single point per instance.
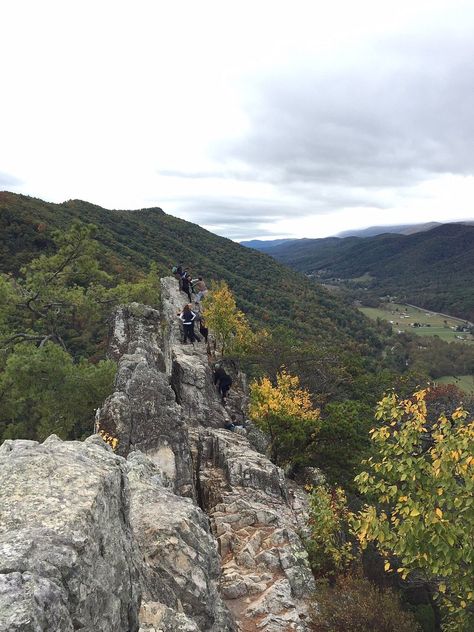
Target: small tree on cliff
(422, 485)
(228, 324)
(285, 413)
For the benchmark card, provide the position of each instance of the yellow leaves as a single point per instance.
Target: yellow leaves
(420, 395)
(226, 321)
(284, 399)
(459, 413)
(109, 439)
(403, 572)
(386, 566)
(431, 462)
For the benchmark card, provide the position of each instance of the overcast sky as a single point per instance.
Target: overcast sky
(257, 119)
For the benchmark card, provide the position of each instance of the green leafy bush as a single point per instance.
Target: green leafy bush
(329, 550)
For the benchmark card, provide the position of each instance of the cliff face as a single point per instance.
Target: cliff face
(187, 518)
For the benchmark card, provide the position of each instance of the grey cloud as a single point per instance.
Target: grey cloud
(393, 119)
(353, 132)
(234, 218)
(243, 218)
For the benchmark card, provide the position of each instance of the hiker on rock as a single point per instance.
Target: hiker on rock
(187, 317)
(200, 289)
(223, 381)
(186, 284)
(178, 272)
(203, 330)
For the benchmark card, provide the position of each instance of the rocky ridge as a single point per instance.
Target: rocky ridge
(204, 528)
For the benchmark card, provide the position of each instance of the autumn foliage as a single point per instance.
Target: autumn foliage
(285, 413)
(227, 323)
(422, 486)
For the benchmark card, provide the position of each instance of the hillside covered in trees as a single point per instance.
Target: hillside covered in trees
(130, 240)
(433, 269)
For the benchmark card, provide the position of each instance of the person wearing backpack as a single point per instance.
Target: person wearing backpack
(187, 317)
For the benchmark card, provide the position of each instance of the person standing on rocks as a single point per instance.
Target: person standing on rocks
(200, 289)
(186, 285)
(223, 381)
(187, 317)
(203, 330)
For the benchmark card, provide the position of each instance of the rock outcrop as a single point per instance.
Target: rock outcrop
(68, 560)
(143, 412)
(186, 516)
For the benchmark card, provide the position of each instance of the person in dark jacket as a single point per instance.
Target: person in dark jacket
(203, 330)
(223, 381)
(186, 286)
(188, 317)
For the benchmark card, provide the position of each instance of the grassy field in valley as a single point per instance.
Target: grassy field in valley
(464, 382)
(402, 318)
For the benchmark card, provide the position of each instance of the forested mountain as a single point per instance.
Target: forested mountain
(65, 268)
(433, 269)
(268, 292)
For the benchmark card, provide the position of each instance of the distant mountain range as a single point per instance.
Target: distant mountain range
(371, 231)
(431, 268)
(263, 246)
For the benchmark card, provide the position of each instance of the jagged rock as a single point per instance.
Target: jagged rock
(243, 466)
(191, 371)
(142, 412)
(182, 566)
(67, 556)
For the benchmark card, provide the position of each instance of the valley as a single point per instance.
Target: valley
(422, 322)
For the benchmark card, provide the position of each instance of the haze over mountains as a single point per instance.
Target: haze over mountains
(371, 231)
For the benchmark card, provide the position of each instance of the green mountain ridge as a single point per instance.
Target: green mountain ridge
(433, 269)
